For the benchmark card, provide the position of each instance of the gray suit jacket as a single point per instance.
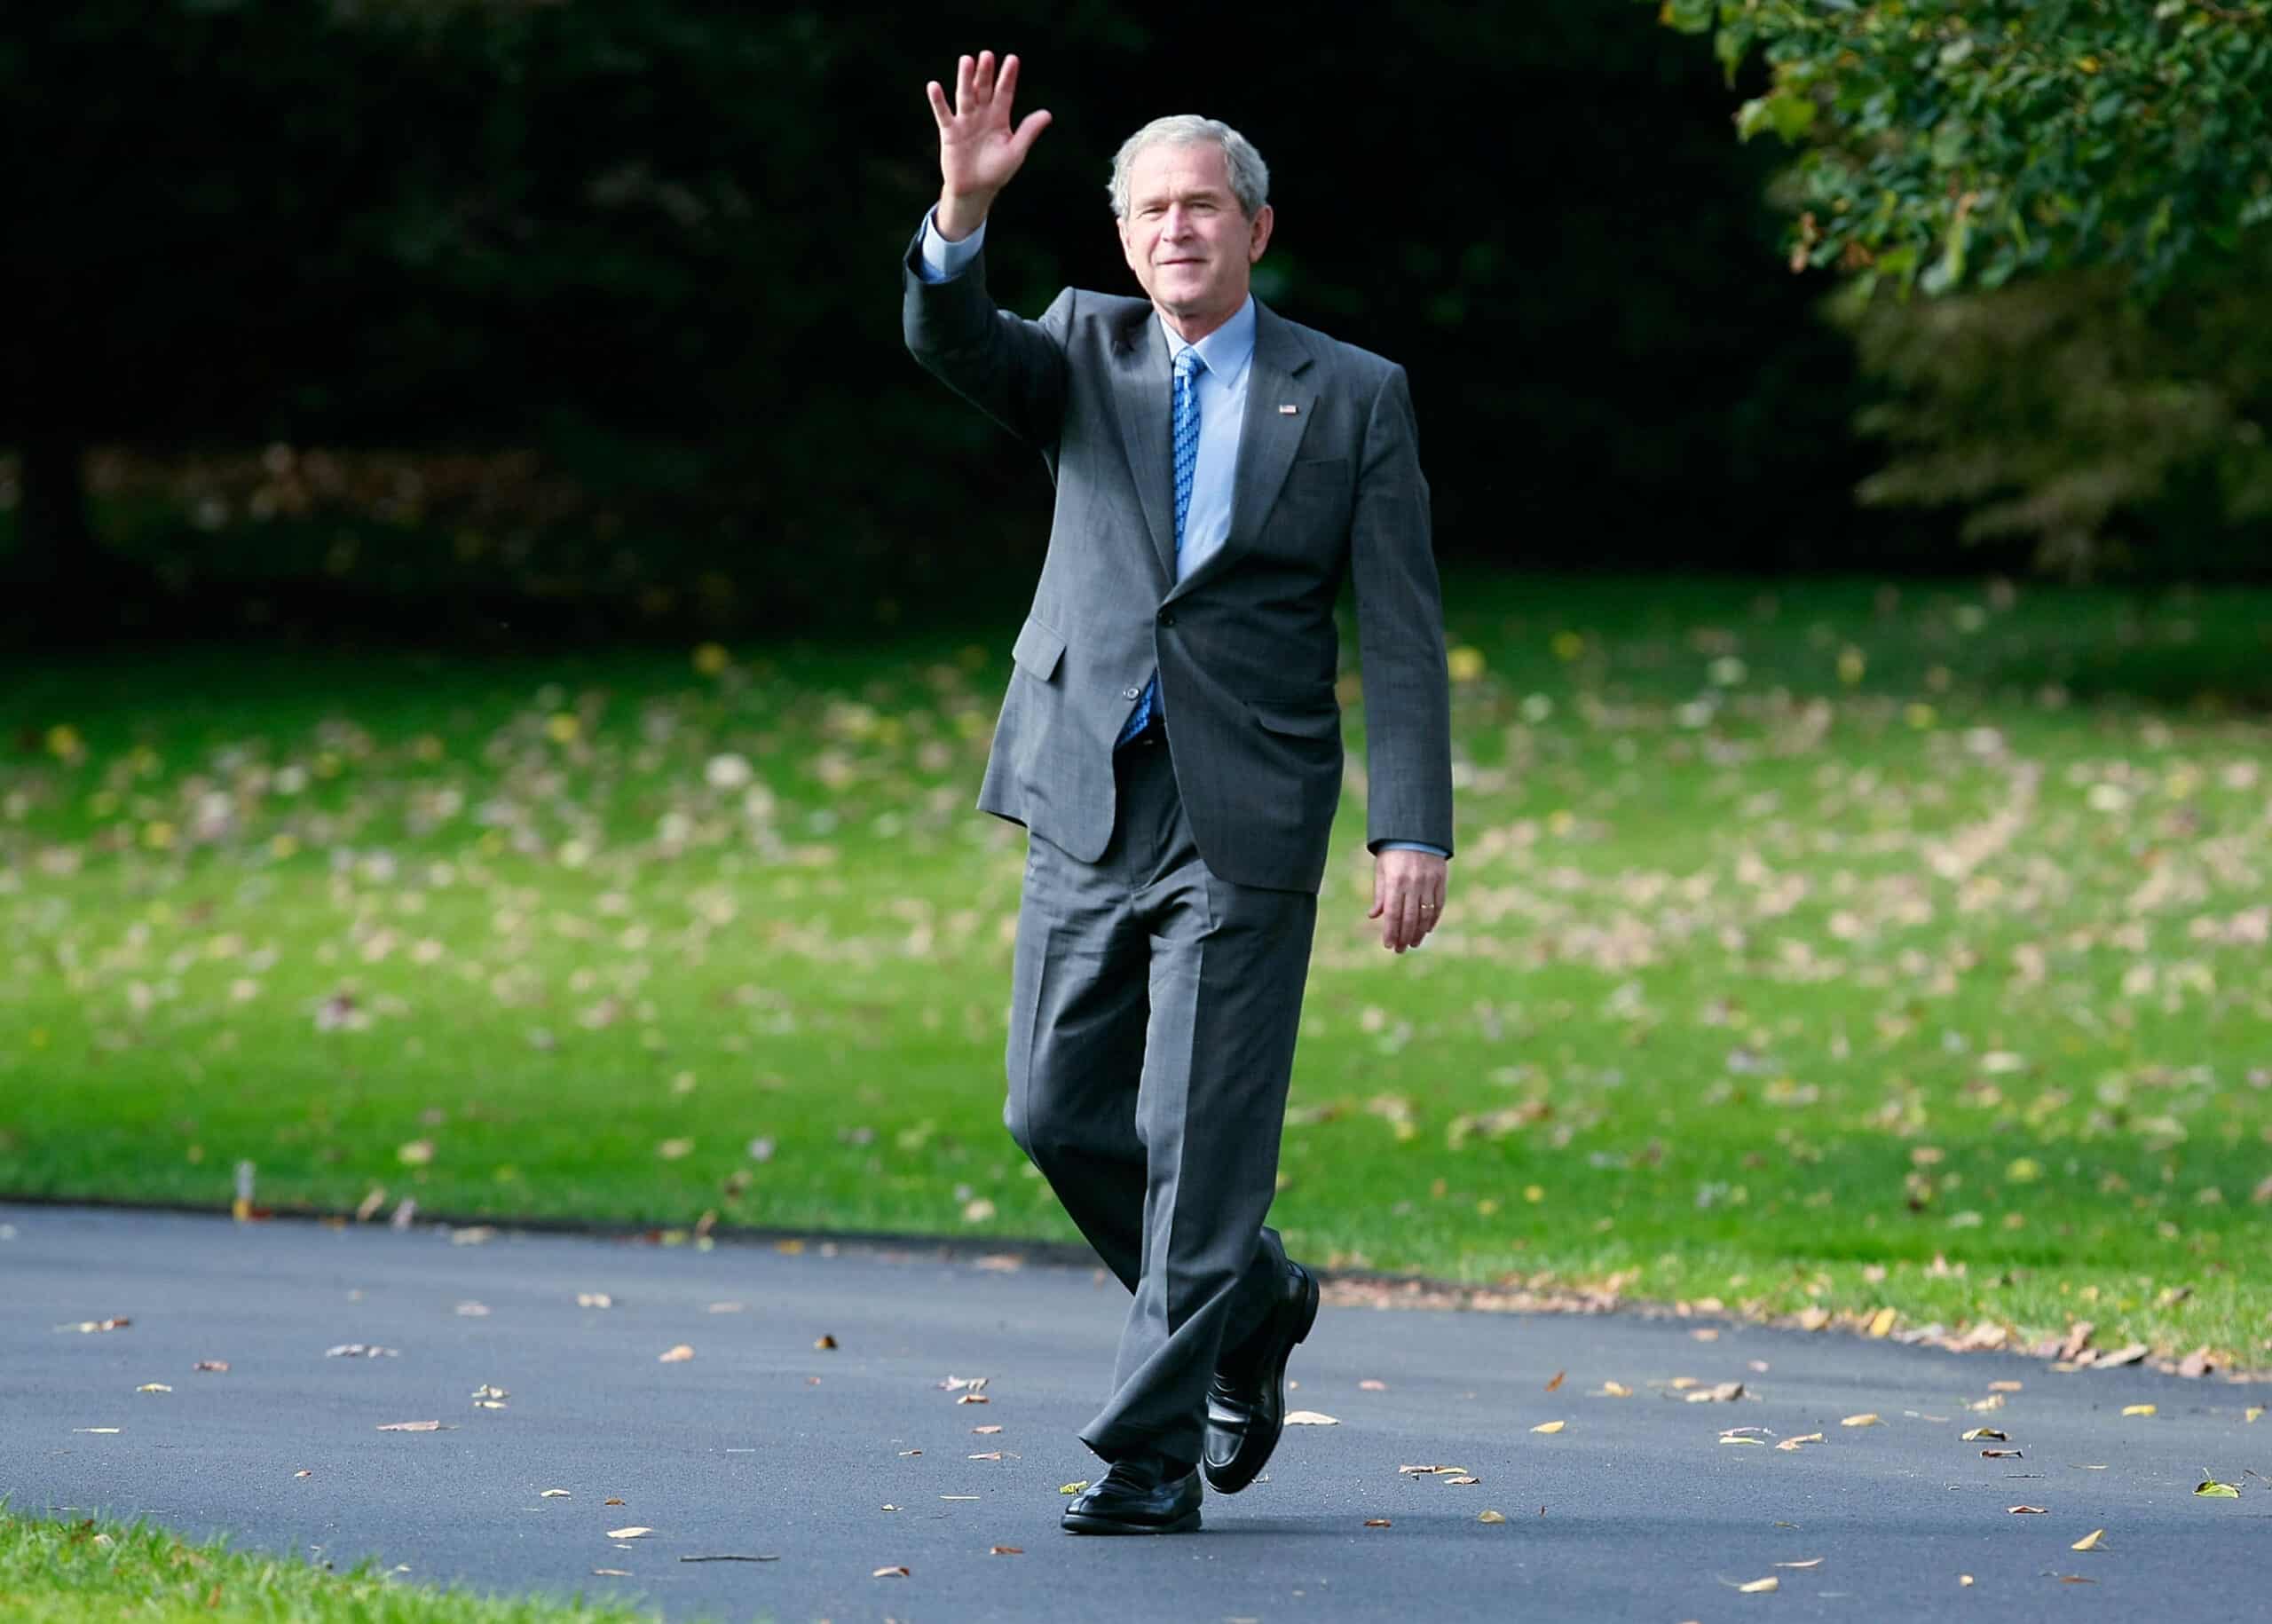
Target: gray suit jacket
(1245, 645)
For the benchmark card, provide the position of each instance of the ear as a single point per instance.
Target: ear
(1259, 234)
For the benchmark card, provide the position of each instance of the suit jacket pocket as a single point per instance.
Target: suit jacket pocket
(1303, 721)
(1037, 649)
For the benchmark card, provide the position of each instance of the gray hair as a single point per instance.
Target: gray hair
(1250, 175)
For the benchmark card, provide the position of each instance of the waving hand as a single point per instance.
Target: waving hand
(979, 148)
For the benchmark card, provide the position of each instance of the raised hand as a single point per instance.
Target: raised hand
(979, 149)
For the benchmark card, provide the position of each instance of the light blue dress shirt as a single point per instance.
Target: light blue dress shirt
(1230, 353)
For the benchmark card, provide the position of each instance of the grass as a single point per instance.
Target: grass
(77, 1570)
(1811, 947)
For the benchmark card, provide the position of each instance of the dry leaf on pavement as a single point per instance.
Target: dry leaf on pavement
(216, 1366)
(1809, 1562)
(1758, 1585)
(635, 1532)
(889, 1572)
(2027, 1510)
(1491, 1516)
(612, 1572)
(1073, 1487)
(1792, 1444)
(552, 1494)
(678, 1355)
(2140, 1409)
(823, 1341)
(1311, 1418)
(1614, 1390)
(153, 1387)
(1867, 1419)
(410, 1426)
(1978, 1434)
(1376, 1522)
(1549, 1426)
(1006, 1550)
(2214, 1490)
(2096, 1540)
(1557, 1382)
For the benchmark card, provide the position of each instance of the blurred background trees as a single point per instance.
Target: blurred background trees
(489, 317)
(2084, 182)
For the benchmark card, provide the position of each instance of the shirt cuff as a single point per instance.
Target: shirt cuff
(942, 261)
(1412, 845)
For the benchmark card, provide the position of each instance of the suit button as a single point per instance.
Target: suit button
(1167, 619)
(1130, 693)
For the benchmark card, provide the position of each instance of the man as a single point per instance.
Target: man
(1171, 738)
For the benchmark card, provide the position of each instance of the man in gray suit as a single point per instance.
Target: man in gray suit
(1171, 739)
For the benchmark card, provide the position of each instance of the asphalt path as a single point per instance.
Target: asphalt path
(834, 1462)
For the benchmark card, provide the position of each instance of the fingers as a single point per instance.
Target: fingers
(1030, 129)
(940, 111)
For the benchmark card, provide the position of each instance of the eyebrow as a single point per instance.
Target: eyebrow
(1196, 194)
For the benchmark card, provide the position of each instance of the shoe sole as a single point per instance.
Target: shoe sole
(1075, 1524)
(1239, 1474)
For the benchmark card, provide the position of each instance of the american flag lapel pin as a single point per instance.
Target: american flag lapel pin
(1287, 410)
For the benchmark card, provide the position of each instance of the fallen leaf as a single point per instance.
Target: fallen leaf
(1725, 1393)
(360, 1350)
(1615, 1390)
(1804, 1437)
(1370, 1385)
(488, 1391)
(887, 1507)
(2075, 1579)
(1073, 1489)
(1758, 1585)
(825, 1341)
(410, 1426)
(612, 1501)
(1378, 1522)
(1964, 1579)
(1006, 1550)
(958, 1496)
(2027, 1510)
(677, 1355)
(1465, 1477)
(905, 1452)
(2006, 1386)
(1809, 1562)
(1868, 1419)
(94, 1428)
(1549, 1426)
(1557, 1382)
(994, 1428)
(1311, 1418)
(218, 1366)
(2210, 1490)
(1881, 1322)
(992, 1454)
(2255, 1412)
(889, 1572)
(593, 1299)
(2002, 1454)
(553, 1495)
(474, 1310)
(1491, 1516)
(2096, 1540)
(980, 1398)
(153, 1387)
(96, 1325)
(1423, 1472)
(635, 1532)
(612, 1572)
(2140, 1409)
(1984, 1434)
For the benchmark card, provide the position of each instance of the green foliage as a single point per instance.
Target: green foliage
(1948, 143)
(2118, 440)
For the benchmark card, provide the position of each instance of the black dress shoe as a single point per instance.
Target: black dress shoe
(1137, 1497)
(1246, 1401)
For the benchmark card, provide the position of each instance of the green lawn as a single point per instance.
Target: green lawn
(81, 1570)
(1809, 946)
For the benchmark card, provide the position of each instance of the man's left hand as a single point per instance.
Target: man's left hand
(1408, 895)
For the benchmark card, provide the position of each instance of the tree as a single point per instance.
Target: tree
(1958, 143)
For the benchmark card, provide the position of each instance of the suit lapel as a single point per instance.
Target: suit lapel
(1141, 382)
(1268, 437)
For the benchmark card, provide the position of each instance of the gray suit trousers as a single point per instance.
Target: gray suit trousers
(1154, 1009)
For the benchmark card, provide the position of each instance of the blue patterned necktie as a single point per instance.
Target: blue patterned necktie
(1188, 365)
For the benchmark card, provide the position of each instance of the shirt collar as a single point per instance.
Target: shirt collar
(1226, 350)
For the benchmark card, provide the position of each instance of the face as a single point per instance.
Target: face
(1184, 234)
